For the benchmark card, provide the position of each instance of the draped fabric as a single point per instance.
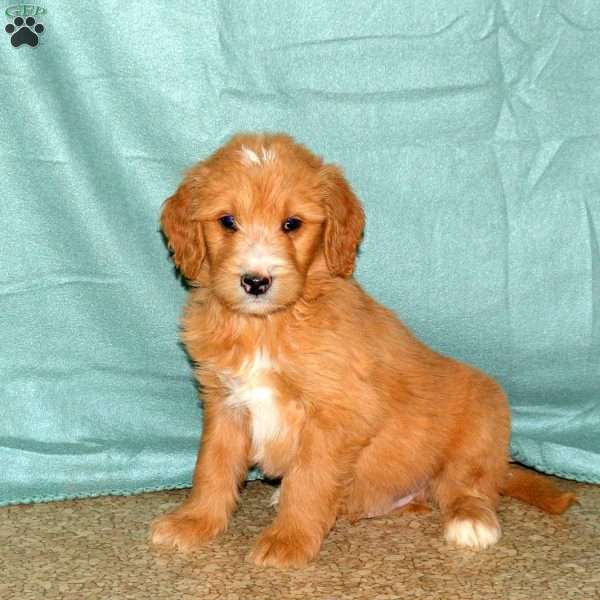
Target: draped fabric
(470, 130)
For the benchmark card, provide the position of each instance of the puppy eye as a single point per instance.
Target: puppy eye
(228, 222)
(291, 224)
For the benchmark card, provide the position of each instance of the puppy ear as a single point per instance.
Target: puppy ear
(183, 233)
(344, 224)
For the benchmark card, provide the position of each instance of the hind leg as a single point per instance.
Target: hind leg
(467, 492)
(468, 487)
(470, 520)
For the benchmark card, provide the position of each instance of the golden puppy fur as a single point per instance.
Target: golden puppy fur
(309, 377)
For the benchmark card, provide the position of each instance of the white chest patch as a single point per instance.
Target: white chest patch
(249, 390)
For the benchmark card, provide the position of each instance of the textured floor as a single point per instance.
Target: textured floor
(98, 549)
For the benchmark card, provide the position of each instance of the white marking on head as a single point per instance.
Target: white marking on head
(268, 155)
(250, 157)
(470, 533)
(249, 391)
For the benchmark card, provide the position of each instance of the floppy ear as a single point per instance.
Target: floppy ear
(183, 233)
(344, 224)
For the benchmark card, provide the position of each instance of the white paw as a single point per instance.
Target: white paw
(472, 534)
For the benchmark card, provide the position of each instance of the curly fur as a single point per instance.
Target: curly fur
(315, 381)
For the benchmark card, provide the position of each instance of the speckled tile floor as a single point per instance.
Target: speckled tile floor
(98, 549)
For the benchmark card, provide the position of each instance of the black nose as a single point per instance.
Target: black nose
(255, 284)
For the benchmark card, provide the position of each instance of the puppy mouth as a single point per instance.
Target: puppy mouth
(258, 305)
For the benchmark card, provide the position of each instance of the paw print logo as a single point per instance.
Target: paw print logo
(24, 31)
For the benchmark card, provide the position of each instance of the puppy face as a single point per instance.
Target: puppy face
(256, 217)
(262, 229)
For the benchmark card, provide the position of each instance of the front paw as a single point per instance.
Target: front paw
(185, 530)
(277, 547)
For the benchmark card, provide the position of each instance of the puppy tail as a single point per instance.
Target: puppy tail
(537, 490)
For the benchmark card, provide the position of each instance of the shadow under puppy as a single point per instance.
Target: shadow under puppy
(308, 377)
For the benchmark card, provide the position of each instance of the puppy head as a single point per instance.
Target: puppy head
(256, 218)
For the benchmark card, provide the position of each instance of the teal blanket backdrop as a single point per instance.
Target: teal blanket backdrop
(469, 128)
